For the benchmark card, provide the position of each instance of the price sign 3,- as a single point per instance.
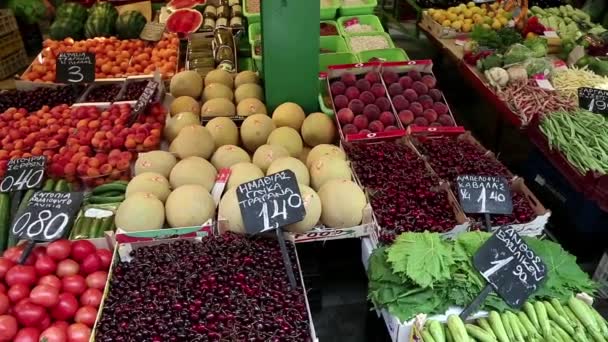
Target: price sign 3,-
(75, 67)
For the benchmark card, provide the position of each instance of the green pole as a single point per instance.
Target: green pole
(291, 52)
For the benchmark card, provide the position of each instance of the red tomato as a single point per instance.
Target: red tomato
(5, 265)
(65, 308)
(91, 264)
(5, 303)
(86, 315)
(51, 280)
(67, 267)
(81, 249)
(8, 327)
(78, 332)
(54, 334)
(74, 284)
(106, 258)
(2, 288)
(45, 265)
(91, 297)
(21, 274)
(97, 280)
(59, 250)
(45, 295)
(63, 325)
(14, 254)
(29, 314)
(38, 251)
(17, 292)
(27, 335)
(44, 323)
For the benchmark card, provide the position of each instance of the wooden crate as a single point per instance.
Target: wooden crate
(13, 63)
(8, 23)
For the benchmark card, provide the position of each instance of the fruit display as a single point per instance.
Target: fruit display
(55, 294)
(463, 17)
(404, 193)
(236, 290)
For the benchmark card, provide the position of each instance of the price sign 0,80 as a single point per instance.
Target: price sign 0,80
(47, 216)
(484, 194)
(23, 174)
(270, 202)
(75, 67)
(593, 100)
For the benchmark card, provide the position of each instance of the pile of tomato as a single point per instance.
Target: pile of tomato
(54, 294)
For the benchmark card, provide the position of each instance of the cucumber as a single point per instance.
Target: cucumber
(104, 199)
(94, 227)
(84, 227)
(111, 194)
(26, 199)
(106, 224)
(104, 189)
(61, 186)
(49, 185)
(5, 219)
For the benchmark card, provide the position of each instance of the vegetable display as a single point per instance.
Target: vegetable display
(567, 81)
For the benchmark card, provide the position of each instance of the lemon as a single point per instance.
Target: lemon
(440, 18)
(436, 16)
(488, 20)
(452, 16)
(467, 13)
(468, 21)
(466, 27)
(503, 20)
(462, 7)
(475, 10)
(453, 9)
(461, 17)
(491, 14)
(457, 25)
(446, 23)
(494, 6)
(486, 26)
(479, 20)
(470, 4)
(483, 11)
(496, 25)
(431, 11)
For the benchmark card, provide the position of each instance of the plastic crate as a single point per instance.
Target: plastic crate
(334, 43)
(8, 22)
(11, 64)
(255, 32)
(369, 34)
(327, 59)
(252, 17)
(332, 23)
(385, 55)
(367, 8)
(371, 20)
(329, 12)
(257, 60)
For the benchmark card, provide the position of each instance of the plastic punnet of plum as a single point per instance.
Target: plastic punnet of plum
(103, 93)
(134, 90)
(33, 100)
(224, 288)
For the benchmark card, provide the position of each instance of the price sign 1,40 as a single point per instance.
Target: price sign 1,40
(279, 210)
(484, 194)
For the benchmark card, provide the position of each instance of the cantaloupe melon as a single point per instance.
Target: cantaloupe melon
(304, 154)
(293, 164)
(193, 170)
(140, 211)
(288, 138)
(255, 131)
(229, 211)
(160, 162)
(248, 90)
(312, 205)
(186, 83)
(193, 141)
(150, 182)
(342, 203)
(246, 76)
(250, 106)
(189, 205)
(185, 104)
(219, 76)
(322, 150)
(243, 172)
(266, 154)
(289, 114)
(176, 123)
(224, 131)
(318, 128)
(218, 107)
(327, 168)
(228, 155)
(217, 91)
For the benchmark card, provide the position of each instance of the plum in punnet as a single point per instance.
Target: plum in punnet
(361, 121)
(356, 106)
(414, 75)
(350, 129)
(390, 77)
(372, 77)
(337, 88)
(367, 97)
(426, 101)
(440, 108)
(435, 124)
(383, 103)
(410, 95)
(400, 103)
(406, 82)
(376, 126)
(371, 111)
(406, 117)
(387, 118)
(352, 93)
(391, 128)
(363, 85)
(436, 94)
(378, 90)
(345, 116)
(341, 101)
(429, 80)
(420, 121)
(365, 131)
(430, 115)
(445, 120)
(416, 108)
(395, 89)
(348, 79)
(418, 86)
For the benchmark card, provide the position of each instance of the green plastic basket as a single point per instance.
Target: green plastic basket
(368, 19)
(329, 12)
(251, 17)
(382, 34)
(385, 55)
(334, 43)
(328, 59)
(246, 63)
(254, 32)
(257, 60)
(333, 23)
(368, 8)
(324, 108)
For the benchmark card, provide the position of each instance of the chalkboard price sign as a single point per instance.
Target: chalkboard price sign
(75, 67)
(484, 194)
(270, 202)
(47, 217)
(23, 174)
(510, 266)
(593, 100)
(145, 98)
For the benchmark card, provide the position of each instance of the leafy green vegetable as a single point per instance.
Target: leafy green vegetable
(498, 40)
(517, 53)
(490, 62)
(30, 11)
(538, 46)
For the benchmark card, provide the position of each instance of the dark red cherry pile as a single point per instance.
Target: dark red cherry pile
(226, 288)
(404, 192)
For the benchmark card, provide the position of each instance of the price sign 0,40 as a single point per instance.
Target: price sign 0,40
(484, 194)
(270, 202)
(47, 216)
(75, 67)
(23, 174)
(593, 100)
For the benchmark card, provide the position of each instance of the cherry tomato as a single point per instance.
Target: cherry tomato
(86, 315)
(91, 297)
(29, 314)
(81, 249)
(54, 334)
(106, 258)
(45, 265)
(5, 303)
(29, 334)
(91, 264)
(51, 280)
(74, 284)
(8, 327)
(67, 267)
(65, 308)
(78, 332)
(21, 274)
(5, 265)
(59, 250)
(97, 280)
(45, 295)
(17, 292)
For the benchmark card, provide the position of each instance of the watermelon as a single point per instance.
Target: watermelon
(129, 24)
(103, 9)
(71, 10)
(179, 4)
(184, 21)
(65, 28)
(99, 27)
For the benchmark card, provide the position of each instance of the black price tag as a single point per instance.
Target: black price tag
(270, 202)
(484, 194)
(23, 174)
(75, 67)
(593, 100)
(47, 217)
(510, 266)
(145, 98)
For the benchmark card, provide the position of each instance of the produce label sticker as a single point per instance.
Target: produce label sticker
(23, 174)
(510, 266)
(484, 194)
(48, 216)
(75, 67)
(270, 202)
(593, 100)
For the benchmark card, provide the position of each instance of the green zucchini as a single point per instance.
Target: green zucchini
(456, 326)
(94, 227)
(61, 186)
(104, 200)
(26, 199)
(104, 189)
(5, 219)
(106, 224)
(49, 185)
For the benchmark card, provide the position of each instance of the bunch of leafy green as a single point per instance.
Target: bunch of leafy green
(499, 40)
(423, 273)
(538, 46)
(30, 11)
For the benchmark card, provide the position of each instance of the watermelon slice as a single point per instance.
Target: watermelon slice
(179, 4)
(184, 21)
